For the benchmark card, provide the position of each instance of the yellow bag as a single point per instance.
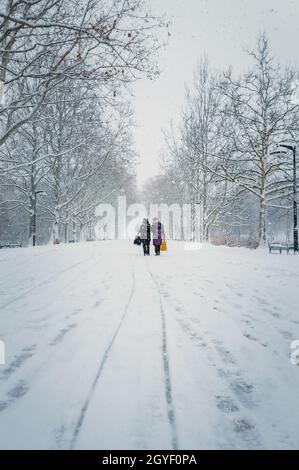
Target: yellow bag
(164, 246)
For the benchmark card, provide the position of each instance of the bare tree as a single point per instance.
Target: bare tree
(44, 42)
(261, 110)
(195, 154)
(65, 69)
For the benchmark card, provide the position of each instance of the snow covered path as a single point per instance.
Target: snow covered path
(106, 349)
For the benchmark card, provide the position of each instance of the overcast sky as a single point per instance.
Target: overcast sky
(220, 29)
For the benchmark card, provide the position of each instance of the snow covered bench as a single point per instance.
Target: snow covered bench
(10, 244)
(280, 247)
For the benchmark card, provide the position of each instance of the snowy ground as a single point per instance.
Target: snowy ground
(107, 349)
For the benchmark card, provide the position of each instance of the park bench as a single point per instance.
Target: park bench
(279, 247)
(10, 244)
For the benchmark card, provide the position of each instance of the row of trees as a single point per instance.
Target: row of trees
(222, 155)
(65, 122)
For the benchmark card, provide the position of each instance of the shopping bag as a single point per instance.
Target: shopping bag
(164, 246)
(137, 241)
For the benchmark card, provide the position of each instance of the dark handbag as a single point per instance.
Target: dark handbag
(137, 241)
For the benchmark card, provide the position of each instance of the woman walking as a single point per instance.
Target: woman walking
(158, 235)
(145, 236)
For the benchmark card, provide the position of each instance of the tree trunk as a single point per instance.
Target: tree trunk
(263, 223)
(31, 224)
(66, 227)
(66, 231)
(56, 239)
(192, 220)
(205, 226)
(206, 234)
(74, 231)
(81, 234)
(90, 231)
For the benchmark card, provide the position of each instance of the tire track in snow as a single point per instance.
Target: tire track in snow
(65, 328)
(45, 281)
(84, 408)
(242, 390)
(167, 378)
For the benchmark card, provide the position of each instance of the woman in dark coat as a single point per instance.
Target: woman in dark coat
(158, 235)
(145, 236)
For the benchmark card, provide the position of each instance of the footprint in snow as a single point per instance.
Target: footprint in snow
(241, 386)
(286, 334)
(242, 425)
(247, 431)
(225, 354)
(253, 338)
(196, 338)
(199, 294)
(224, 374)
(226, 404)
(275, 315)
(249, 336)
(77, 311)
(19, 360)
(243, 391)
(62, 334)
(19, 390)
(3, 405)
(261, 300)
